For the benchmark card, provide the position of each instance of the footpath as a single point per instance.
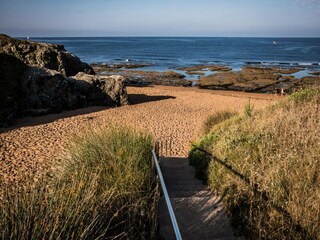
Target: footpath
(199, 213)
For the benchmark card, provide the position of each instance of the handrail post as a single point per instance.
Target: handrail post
(166, 196)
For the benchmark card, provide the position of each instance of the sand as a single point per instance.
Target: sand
(34, 143)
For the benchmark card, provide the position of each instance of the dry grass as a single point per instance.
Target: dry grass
(104, 189)
(278, 150)
(216, 118)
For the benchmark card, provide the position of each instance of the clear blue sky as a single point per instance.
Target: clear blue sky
(160, 18)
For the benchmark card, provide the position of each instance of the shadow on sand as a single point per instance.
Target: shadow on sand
(142, 98)
(39, 120)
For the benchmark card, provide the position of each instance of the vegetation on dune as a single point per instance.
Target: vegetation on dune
(266, 166)
(216, 118)
(104, 188)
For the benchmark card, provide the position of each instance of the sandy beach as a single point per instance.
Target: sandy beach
(32, 144)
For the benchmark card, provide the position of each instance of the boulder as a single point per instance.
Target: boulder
(51, 56)
(111, 86)
(48, 91)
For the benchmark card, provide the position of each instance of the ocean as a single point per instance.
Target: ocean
(165, 53)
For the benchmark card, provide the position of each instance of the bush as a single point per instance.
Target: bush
(103, 188)
(306, 95)
(278, 150)
(200, 162)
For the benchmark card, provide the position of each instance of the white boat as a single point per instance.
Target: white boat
(274, 42)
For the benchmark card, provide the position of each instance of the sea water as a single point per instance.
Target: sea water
(164, 53)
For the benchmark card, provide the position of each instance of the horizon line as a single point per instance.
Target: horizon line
(169, 36)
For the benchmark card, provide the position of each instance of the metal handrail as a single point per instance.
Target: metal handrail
(166, 195)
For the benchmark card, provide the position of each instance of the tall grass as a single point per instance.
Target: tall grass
(104, 189)
(216, 118)
(278, 150)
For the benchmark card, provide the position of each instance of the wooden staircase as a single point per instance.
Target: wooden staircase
(199, 213)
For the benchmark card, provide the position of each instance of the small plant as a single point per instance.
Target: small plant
(248, 109)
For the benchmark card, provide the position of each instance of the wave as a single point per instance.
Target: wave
(302, 64)
(308, 64)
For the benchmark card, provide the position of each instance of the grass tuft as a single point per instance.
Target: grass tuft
(104, 188)
(248, 109)
(217, 118)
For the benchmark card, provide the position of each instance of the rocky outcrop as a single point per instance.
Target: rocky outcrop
(140, 77)
(11, 72)
(35, 80)
(250, 79)
(29, 90)
(51, 56)
(168, 78)
(48, 91)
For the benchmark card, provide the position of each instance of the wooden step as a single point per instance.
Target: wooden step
(199, 213)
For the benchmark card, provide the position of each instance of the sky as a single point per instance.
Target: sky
(213, 18)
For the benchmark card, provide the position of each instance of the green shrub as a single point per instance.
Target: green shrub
(305, 95)
(104, 188)
(201, 162)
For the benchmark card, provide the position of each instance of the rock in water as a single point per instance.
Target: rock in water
(51, 56)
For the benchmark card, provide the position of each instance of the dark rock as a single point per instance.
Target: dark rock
(111, 86)
(27, 90)
(140, 77)
(287, 70)
(258, 79)
(195, 73)
(171, 74)
(315, 73)
(51, 56)
(131, 65)
(169, 78)
(119, 66)
(48, 91)
(11, 73)
(249, 79)
(33, 81)
(219, 68)
(311, 80)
